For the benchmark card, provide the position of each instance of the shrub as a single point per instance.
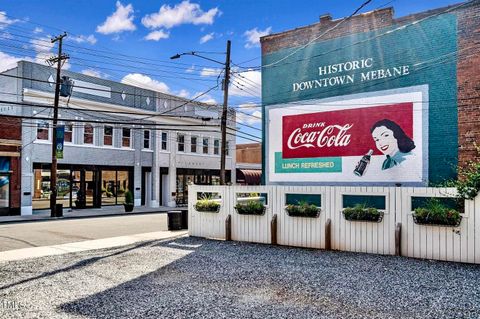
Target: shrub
(302, 209)
(361, 212)
(436, 213)
(128, 198)
(250, 207)
(207, 205)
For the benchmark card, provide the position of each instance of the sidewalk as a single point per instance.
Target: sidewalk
(68, 213)
(35, 252)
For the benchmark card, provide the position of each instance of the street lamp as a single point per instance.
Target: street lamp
(223, 123)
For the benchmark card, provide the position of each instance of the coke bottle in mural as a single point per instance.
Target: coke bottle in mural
(363, 164)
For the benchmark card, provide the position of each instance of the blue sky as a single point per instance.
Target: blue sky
(147, 33)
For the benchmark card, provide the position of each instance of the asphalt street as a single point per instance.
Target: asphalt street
(38, 234)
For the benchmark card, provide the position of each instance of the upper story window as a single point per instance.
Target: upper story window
(88, 134)
(146, 139)
(193, 144)
(216, 146)
(108, 135)
(205, 145)
(43, 130)
(227, 148)
(181, 142)
(126, 137)
(68, 136)
(164, 140)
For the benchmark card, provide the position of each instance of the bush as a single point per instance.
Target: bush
(436, 213)
(361, 212)
(302, 209)
(207, 205)
(251, 207)
(128, 198)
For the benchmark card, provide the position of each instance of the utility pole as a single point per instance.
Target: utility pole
(224, 116)
(53, 170)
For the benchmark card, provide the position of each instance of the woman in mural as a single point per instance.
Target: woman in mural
(392, 141)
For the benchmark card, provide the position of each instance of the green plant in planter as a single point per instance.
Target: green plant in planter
(468, 182)
(361, 212)
(302, 209)
(250, 207)
(207, 204)
(436, 213)
(128, 201)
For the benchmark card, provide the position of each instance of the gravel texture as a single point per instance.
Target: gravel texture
(198, 278)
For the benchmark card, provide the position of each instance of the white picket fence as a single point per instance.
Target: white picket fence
(461, 244)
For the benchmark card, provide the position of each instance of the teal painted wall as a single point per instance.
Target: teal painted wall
(429, 48)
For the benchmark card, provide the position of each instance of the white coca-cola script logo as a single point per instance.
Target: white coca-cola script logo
(331, 135)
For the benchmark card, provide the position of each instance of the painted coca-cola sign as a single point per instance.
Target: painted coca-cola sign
(374, 137)
(340, 133)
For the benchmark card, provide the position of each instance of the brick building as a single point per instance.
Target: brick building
(249, 163)
(345, 81)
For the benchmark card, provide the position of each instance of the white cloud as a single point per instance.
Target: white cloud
(5, 21)
(206, 38)
(210, 72)
(250, 118)
(121, 20)
(7, 61)
(248, 83)
(84, 38)
(190, 69)
(183, 93)
(253, 36)
(145, 82)
(37, 30)
(95, 73)
(44, 50)
(183, 13)
(157, 35)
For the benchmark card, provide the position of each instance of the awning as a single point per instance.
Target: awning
(249, 176)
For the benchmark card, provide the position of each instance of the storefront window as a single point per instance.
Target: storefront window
(88, 134)
(42, 130)
(41, 193)
(108, 135)
(4, 182)
(109, 193)
(122, 186)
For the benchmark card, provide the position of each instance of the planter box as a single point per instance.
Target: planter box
(371, 218)
(433, 222)
(243, 211)
(128, 207)
(205, 210)
(295, 214)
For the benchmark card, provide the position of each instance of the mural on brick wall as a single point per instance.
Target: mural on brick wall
(371, 108)
(357, 138)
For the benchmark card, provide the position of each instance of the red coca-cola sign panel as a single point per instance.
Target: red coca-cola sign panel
(342, 132)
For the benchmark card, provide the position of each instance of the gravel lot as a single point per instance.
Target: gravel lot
(196, 278)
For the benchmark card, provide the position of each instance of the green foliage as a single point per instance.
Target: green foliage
(361, 212)
(250, 207)
(207, 204)
(302, 209)
(436, 213)
(128, 198)
(468, 182)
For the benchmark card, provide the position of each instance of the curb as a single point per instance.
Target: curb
(49, 219)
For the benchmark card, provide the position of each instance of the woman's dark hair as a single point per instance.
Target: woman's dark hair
(405, 143)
